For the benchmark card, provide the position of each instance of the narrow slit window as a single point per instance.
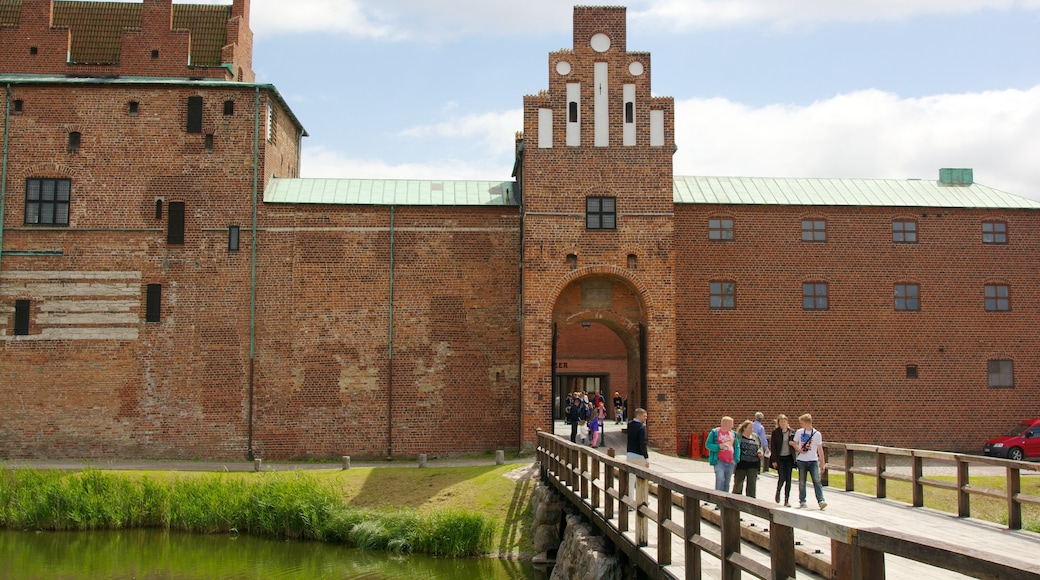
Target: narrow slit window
(21, 317)
(232, 240)
(572, 261)
(209, 142)
(194, 114)
(133, 107)
(630, 112)
(572, 112)
(153, 303)
(633, 262)
(17, 106)
(229, 108)
(74, 141)
(175, 228)
(158, 209)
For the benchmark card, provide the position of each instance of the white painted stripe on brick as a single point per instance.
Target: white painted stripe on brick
(57, 306)
(545, 128)
(657, 128)
(573, 129)
(87, 318)
(79, 334)
(601, 104)
(629, 133)
(70, 275)
(44, 290)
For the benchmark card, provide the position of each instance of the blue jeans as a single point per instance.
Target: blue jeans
(813, 467)
(723, 475)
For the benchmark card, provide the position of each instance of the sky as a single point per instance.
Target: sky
(433, 89)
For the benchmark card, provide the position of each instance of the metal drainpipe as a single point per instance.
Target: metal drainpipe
(252, 274)
(520, 325)
(3, 171)
(390, 352)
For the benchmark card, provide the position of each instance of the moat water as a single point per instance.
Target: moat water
(142, 554)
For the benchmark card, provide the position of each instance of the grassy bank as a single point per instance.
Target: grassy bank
(984, 508)
(452, 512)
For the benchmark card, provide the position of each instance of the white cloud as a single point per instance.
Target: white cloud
(492, 131)
(870, 134)
(322, 162)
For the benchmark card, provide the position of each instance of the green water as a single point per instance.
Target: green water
(141, 554)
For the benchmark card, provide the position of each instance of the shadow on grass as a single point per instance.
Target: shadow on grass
(412, 487)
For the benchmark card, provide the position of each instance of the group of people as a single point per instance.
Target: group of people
(738, 454)
(587, 416)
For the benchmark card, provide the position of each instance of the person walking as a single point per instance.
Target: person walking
(594, 427)
(750, 459)
(637, 452)
(808, 443)
(619, 413)
(761, 432)
(782, 457)
(573, 416)
(723, 449)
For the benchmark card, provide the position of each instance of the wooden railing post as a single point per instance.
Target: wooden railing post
(730, 520)
(916, 472)
(963, 497)
(664, 515)
(608, 484)
(850, 478)
(781, 550)
(866, 564)
(692, 529)
(583, 469)
(642, 522)
(594, 478)
(882, 483)
(1014, 487)
(623, 499)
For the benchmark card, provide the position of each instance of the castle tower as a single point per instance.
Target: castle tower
(596, 182)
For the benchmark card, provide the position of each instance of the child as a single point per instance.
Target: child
(583, 431)
(594, 427)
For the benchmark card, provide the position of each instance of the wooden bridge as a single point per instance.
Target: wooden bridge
(858, 537)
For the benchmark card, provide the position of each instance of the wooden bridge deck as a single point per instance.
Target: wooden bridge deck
(845, 509)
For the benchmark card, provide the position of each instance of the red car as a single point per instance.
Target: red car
(1022, 442)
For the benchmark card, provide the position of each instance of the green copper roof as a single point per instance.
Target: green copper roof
(844, 192)
(390, 192)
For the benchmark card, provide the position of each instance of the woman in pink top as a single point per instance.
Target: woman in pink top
(723, 449)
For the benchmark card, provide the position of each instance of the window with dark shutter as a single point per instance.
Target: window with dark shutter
(153, 303)
(175, 228)
(194, 114)
(21, 317)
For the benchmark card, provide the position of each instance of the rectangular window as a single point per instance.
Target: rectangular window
(994, 232)
(600, 213)
(904, 232)
(723, 295)
(229, 107)
(906, 297)
(21, 317)
(47, 202)
(911, 371)
(1001, 374)
(997, 299)
(814, 231)
(720, 230)
(194, 114)
(153, 303)
(232, 240)
(175, 228)
(74, 140)
(814, 296)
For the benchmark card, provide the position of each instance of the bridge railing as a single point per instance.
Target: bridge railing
(879, 468)
(616, 497)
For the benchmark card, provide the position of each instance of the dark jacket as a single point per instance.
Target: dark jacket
(637, 438)
(776, 444)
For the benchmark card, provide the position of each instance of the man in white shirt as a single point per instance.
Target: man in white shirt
(808, 444)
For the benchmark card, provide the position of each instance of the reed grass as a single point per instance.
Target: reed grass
(290, 505)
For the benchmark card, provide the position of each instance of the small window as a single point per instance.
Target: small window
(633, 262)
(229, 107)
(194, 114)
(572, 112)
(21, 317)
(994, 232)
(74, 141)
(175, 228)
(904, 232)
(17, 104)
(132, 107)
(997, 299)
(270, 122)
(907, 297)
(209, 142)
(47, 202)
(34, 50)
(630, 112)
(1001, 374)
(600, 213)
(232, 238)
(814, 296)
(572, 261)
(153, 303)
(723, 295)
(720, 229)
(814, 231)
(155, 53)
(158, 209)
(911, 371)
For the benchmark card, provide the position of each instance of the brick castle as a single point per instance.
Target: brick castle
(170, 286)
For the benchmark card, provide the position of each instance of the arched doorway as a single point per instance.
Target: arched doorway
(599, 342)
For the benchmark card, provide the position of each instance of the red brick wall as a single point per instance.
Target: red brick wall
(847, 365)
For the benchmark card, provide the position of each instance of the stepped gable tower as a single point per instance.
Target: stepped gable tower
(595, 170)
